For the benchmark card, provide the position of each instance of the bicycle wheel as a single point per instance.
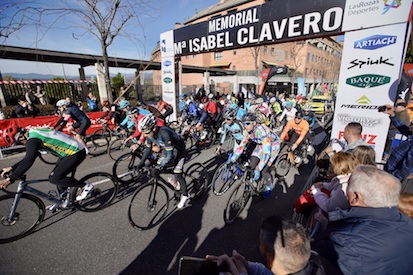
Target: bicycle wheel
(29, 214)
(189, 141)
(105, 189)
(227, 146)
(236, 203)
(283, 165)
(222, 180)
(97, 144)
(198, 179)
(148, 206)
(124, 169)
(117, 148)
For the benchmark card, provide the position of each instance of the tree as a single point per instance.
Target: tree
(103, 19)
(118, 81)
(296, 57)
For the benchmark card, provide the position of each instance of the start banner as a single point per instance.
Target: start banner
(369, 77)
(44, 122)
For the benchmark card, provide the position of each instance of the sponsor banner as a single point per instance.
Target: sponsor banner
(369, 76)
(45, 122)
(381, 12)
(168, 70)
(408, 69)
(273, 22)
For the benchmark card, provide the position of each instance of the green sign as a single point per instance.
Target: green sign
(364, 100)
(368, 80)
(167, 80)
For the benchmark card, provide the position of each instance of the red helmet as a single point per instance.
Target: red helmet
(205, 99)
(11, 135)
(105, 103)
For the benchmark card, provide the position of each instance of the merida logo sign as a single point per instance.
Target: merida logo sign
(368, 80)
(375, 42)
(364, 100)
(363, 103)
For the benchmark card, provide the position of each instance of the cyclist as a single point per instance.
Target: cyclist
(233, 126)
(275, 106)
(70, 150)
(288, 112)
(297, 130)
(265, 152)
(166, 139)
(163, 105)
(309, 115)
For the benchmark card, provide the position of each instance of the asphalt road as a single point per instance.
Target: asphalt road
(73, 242)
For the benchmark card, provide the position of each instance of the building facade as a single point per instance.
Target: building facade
(313, 64)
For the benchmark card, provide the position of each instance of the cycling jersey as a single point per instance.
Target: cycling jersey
(300, 129)
(72, 111)
(263, 108)
(275, 107)
(236, 130)
(56, 142)
(162, 104)
(288, 114)
(267, 148)
(310, 118)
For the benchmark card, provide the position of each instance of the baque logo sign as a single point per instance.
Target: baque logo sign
(167, 80)
(375, 42)
(368, 80)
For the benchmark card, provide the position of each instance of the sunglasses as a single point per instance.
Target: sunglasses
(248, 123)
(228, 118)
(147, 131)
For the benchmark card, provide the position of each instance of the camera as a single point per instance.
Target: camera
(381, 109)
(199, 266)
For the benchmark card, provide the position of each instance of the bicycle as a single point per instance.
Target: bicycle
(243, 193)
(150, 202)
(98, 143)
(118, 147)
(22, 211)
(125, 168)
(225, 176)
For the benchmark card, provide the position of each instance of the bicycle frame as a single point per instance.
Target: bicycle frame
(23, 186)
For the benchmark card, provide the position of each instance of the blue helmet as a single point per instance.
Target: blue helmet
(288, 104)
(182, 96)
(124, 104)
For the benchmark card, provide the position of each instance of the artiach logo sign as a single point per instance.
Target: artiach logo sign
(367, 80)
(375, 42)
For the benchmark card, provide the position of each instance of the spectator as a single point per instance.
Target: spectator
(401, 112)
(372, 237)
(30, 97)
(400, 162)
(92, 102)
(41, 95)
(342, 164)
(164, 107)
(352, 136)
(2, 115)
(365, 155)
(406, 204)
(25, 109)
(286, 248)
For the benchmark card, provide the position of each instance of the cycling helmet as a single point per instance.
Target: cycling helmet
(124, 104)
(182, 96)
(259, 100)
(12, 134)
(62, 102)
(228, 97)
(211, 96)
(272, 100)
(307, 107)
(299, 114)
(133, 111)
(204, 99)
(249, 117)
(288, 104)
(105, 103)
(230, 113)
(147, 123)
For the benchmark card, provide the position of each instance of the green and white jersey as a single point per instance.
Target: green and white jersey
(56, 142)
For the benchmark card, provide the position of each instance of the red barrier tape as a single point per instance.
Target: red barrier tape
(43, 122)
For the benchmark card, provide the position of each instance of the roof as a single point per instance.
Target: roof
(84, 60)
(228, 4)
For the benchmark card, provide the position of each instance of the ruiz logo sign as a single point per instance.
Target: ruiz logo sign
(367, 80)
(360, 63)
(375, 42)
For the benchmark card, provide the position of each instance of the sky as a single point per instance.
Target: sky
(68, 37)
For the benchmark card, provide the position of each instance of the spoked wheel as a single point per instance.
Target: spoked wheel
(223, 179)
(236, 203)
(29, 214)
(105, 189)
(198, 179)
(98, 143)
(148, 206)
(125, 170)
(189, 141)
(117, 148)
(283, 165)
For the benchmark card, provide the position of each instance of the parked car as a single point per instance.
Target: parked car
(318, 104)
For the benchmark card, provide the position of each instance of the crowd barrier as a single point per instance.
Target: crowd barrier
(43, 122)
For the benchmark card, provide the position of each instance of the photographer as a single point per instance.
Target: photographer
(400, 162)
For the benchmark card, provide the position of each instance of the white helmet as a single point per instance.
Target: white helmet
(62, 102)
(147, 123)
(307, 107)
(211, 96)
(229, 97)
(272, 100)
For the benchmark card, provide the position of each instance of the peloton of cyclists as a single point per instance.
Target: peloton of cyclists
(233, 126)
